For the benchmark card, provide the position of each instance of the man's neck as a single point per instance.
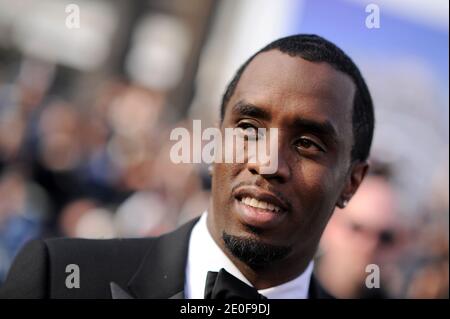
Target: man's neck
(265, 277)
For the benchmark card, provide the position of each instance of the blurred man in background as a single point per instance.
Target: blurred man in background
(367, 231)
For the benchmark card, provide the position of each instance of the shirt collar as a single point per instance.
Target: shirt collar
(205, 255)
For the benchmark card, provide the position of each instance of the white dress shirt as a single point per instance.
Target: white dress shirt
(205, 255)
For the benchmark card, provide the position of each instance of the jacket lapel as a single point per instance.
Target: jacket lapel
(161, 275)
(117, 292)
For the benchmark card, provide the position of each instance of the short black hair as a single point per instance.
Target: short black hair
(314, 48)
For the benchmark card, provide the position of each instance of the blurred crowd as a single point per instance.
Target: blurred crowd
(101, 171)
(90, 157)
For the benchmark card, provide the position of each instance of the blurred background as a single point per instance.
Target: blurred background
(86, 112)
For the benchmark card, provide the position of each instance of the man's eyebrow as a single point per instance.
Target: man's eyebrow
(325, 129)
(248, 109)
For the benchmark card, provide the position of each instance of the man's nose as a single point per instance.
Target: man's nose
(281, 172)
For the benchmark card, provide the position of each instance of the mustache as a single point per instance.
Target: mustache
(266, 188)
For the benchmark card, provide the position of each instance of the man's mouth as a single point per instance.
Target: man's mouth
(258, 208)
(253, 202)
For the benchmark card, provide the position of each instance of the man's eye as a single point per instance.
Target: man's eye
(307, 144)
(248, 130)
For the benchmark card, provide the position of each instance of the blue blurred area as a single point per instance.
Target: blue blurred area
(343, 22)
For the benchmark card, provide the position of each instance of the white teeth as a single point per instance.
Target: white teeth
(260, 204)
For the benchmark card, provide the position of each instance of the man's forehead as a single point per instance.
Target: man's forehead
(275, 72)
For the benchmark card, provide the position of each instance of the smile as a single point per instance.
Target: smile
(258, 208)
(253, 202)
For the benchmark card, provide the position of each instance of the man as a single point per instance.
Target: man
(368, 231)
(261, 230)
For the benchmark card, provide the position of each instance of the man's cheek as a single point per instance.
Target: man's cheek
(222, 180)
(314, 189)
(229, 171)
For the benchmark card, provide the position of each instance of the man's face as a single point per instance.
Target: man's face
(311, 105)
(367, 231)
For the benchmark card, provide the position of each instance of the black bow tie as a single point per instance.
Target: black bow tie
(223, 285)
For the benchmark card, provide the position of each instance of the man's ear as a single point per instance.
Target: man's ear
(355, 176)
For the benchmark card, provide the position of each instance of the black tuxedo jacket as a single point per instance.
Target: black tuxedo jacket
(116, 268)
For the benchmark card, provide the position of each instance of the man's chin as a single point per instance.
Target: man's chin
(252, 250)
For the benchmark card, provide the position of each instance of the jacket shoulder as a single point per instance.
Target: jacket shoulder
(47, 268)
(27, 277)
(96, 263)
